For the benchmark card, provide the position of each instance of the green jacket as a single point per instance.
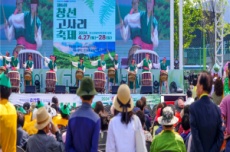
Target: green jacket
(29, 64)
(14, 62)
(29, 28)
(146, 29)
(100, 63)
(163, 66)
(80, 66)
(52, 65)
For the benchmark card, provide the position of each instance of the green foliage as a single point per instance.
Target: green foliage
(90, 4)
(106, 10)
(192, 17)
(45, 14)
(64, 60)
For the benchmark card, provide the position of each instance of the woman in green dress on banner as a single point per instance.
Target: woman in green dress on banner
(14, 63)
(29, 66)
(81, 68)
(115, 66)
(133, 68)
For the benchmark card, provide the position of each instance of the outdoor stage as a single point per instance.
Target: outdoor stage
(152, 99)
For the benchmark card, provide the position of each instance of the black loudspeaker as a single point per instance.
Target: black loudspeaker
(73, 90)
(114, 89)
(146, 90)
(60, 89)
(30, 89)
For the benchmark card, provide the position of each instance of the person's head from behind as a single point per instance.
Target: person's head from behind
(20, 119)
(185, 122)
(87, 90)
(55, 100)
(99, 107)
(26, 106)
(180, 103)
(204, 83)
(139, 104)
(143, 99)
(218, 87)
(141, 116)
(5, 86)
(189, 93)
(167, 120)
(43, 120)
(123, 103)
(65, 111)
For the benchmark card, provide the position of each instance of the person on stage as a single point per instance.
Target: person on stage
(14, 61)
(15, 27)
(80, 65)
(133, 68)
(101, 65)
(146, 64)
(127, 28)
(115, 66)
(148, 24)
(164, 70)
(31, 24)
(51, 63)
(29, 65)
(5, 63)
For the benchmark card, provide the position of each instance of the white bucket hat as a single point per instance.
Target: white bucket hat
(167, 117)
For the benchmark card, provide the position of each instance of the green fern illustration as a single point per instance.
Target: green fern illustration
(106, 10)
(90, 3)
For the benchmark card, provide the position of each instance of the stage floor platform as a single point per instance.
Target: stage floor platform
(152, 99)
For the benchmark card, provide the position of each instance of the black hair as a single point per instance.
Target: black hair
(168, 126)
(185, 122)
(186, 109)
(126, 117)
(87, 97)
(5, 92)
(205, 79)
(219, 87)
(55, 100)
(189, 93)
(141, 116)
(139, 104)
(104, 123)
(20, 119)
(99, 107)
(143, 99)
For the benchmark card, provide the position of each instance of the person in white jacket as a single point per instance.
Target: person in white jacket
(124, 125)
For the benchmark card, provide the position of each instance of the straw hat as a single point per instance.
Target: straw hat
(123, 99)
(167, 117)
(43, 118)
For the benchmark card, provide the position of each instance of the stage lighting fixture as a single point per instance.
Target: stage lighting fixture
(155, 87)
(176, 64)
(37, 85)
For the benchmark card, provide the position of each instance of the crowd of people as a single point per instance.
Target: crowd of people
(193, 125)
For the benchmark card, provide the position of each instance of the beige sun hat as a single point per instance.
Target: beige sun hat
(43, 118)
(123, 99)
(167, 117)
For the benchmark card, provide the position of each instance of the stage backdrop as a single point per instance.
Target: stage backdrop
(86, 29)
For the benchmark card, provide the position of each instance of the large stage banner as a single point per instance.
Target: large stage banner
(83, 29)
(142, 27)
(106, 99)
